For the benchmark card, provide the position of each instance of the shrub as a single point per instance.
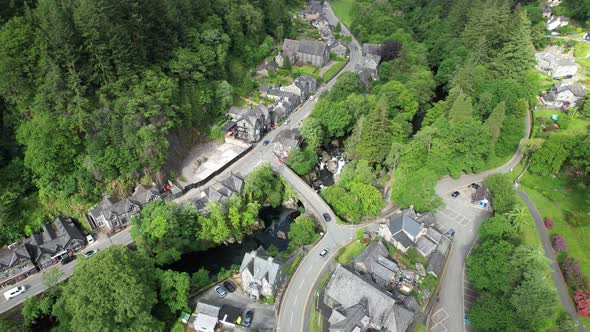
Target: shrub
(578, 218)
(559, 243)
(566, 322)
(548, 223)
(582, 300)
(573, 276)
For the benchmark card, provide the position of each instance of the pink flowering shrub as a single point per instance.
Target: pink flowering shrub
(548, 223)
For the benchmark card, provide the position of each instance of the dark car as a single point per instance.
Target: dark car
(248, 319)
(455, 194)
(229, 286)
(67, 259)
(220, 291)
(475, 186)
(450, 233)
(327, 217)
(90, 253)
(265, 142)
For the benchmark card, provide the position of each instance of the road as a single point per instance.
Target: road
(258, 155)
(452, 284)
(562, 289)
(35, 284)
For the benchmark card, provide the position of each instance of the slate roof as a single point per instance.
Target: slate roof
(144, 195)
(436, 263)
(373, 49)
(348, 289)
(425, 246)
(406, 222)
(433, 234)
(481, 193)
(576, 89)
(374, 259)
(288, 137)
(313, 47)
(290, 46)
(207, 309)
(55, 237)
(260, 266)
(403, 239)
(350, 319)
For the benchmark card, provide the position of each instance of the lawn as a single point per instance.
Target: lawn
(343, 9)
(352, 250)
(581, 52)
(530, 236)
(332, 71)
(305, 70)
(570, 126)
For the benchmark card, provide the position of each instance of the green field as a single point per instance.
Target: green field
(581, 52)
(332, 71)
(343, 9)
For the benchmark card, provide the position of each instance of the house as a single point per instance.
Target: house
(556, 22)
(285, 141)
(15, 264)
(115, 215)
(220, 191)
(437, 260)
(205, 317)
(562, 93)
(303, 86)
(283, 107)
(308, 52)
(261, 275)
(313, 11)
(407, 229)
(375, 308)
(251, 122)
(370, 60)
(374, 262)
(278, 94)
(339, 50)
(556, 66)
(482, 197)
(54, 241)
(263, 69)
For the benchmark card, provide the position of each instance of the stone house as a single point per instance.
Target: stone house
(285, 141)
(562, 94)
(556, 22)
(114, 215)
(15, 264)
(339, 50)
(374, 262)
(261, 275)
(220, 191)
(313, 11)
(556, 66)
(205, 318)
(358, 304)
(250, 123)
(303, 86)
(283, 107)
(407, 229)
(307, 52)
(370, 60)
(437, 260)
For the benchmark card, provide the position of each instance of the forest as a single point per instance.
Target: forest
(92, 91)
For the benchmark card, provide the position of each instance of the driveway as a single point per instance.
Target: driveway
(562, 289)
(264, 314)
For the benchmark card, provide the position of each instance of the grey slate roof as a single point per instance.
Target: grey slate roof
(403, 239)
(314, 47)
(143, 195)
(350, 319)
(260, 266)
(207, 309)
(406, 222)
(576, 89)
(373, 49)
(290, 46)
(436, 264)
(425, 246)
(347, 289)
(55, 237)
(433, 234)
(288, 137)
(374, 260)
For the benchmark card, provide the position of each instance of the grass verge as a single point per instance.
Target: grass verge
(330, 73)
(348, 253)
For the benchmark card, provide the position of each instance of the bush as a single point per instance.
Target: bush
(559, 243)
(578, 218)
(566, 322)
(503, 194)
(573, 276)
(302, 161)
(200, 278)
(548, 223)
(582, 300)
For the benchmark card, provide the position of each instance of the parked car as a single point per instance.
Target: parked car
(327, 217)
(455, 194)
(450, 233)
(324, 252)
(14, 292)
(89, 239)
(475, 186)
(248, 318)
(220, 291)
(67, 259)
(265, 143)
(229, 286)
(90, 253)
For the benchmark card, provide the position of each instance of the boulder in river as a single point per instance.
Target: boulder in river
(332, 166)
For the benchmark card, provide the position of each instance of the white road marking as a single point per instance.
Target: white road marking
(311, 267)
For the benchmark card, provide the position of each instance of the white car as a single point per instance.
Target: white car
(324, 252)
(14, 292)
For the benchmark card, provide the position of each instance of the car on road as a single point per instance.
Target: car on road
(287, 122)
(265, 143)
(248, 317)
(14, 292)
(475, 186)
(229, 286)
(455, 194)
(467, 320)
(89, 239)
(220, 291)
(450, 233)
(324, 252)
(67, 259)
(90, 253)
(327, 217)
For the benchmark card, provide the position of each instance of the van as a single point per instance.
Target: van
(14, 292)
(89, 239)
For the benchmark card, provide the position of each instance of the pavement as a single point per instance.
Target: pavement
(34, 283)
(562, 289)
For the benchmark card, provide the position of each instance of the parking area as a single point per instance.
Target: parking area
(469, 296)
(438, 321)
(460, 210)
(264, 314)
